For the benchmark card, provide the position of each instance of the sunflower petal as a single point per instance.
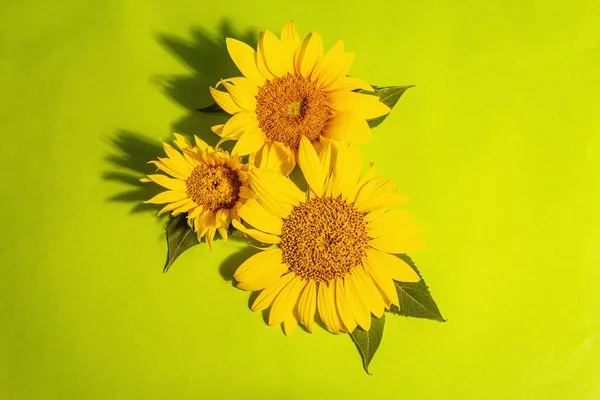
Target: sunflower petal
(224, 101)
(333, 66)
(395, 267)
(277, 193)
(347, 126)
(266, 297)
(249, 142)
(257, 216)
(261, 270)
(274, 54)
(275, 156)
(346, 172)
(309, 53)
(366, 106)
(349, 83)
(311, 167)
(382, 279)
(256, 234)
(174, 205)
(353, 294)
(242, 92)
(261, 60)
(285, 301)
(369, 294)
(239, 123)
(342, 306)
(244, 58)
(169, 196)
(326, 306)
(307, 305)
(177, 185)
(290, 41)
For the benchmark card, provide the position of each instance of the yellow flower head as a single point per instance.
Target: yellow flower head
(291, 90)
(333, 243)
(208, 184)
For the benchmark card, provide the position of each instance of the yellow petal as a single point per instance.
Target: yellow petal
(333, 66)
(249, 142)
(261, 270)
(261, 60)
(169, 169)
(244, 58)
(309, 53)
(175, 205)
(327, 309)
(285, 301)
(349, 83)
(290, 41)
(393, 266)
(256, 215)
(242, 92)
(181, 142)
(382, 279)
(311, 167)
(342, 306)
(224, 101)
(307, 305)
(274, 53)
(238, 124)
(346, 172)
(277, 193)
(369, 294)
(289, 323)
(275, 156)
(266, 297)
(378, 193)
(201, 144)
(325, 159)
(256, 234)
(353, 294)
(398, 243)
(177, 185)
(218, 129)
(347, 126)
(169, 196)
(177, 159)
(366, 106)
(187, 206)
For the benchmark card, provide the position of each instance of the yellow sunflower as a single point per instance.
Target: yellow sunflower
(332, 244)
(291, 90)
(208, 184)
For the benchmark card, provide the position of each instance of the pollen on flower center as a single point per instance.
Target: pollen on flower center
(323, 239)
(290, 107)
(215, 187)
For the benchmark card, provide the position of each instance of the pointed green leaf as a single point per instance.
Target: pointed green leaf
(415, 298)
(389, 96)
(368, 342)
(213, 109)
(180, 237)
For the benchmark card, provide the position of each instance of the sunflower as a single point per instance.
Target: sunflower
(291, 90)
(208, 184)
(332, 244)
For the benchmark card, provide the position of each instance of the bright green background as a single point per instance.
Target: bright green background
(497, 146)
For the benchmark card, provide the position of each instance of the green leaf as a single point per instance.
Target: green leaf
(213, 109)
(368, 342)
(415, 299)
(180, 237)
(388, 95)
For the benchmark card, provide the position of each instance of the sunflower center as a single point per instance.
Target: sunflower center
(290, 107)
(324, 239)
(214, 186)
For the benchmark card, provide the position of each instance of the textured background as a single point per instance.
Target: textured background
(497, 146)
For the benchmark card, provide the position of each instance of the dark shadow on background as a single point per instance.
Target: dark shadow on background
(129, 163)
(206, 56)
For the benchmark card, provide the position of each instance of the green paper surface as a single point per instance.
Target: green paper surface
(497, 146)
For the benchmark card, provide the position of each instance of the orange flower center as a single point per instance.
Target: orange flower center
(324, 239)
(290, 107)
(215, 187)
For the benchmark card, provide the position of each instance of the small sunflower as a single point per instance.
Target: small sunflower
(291, 90)
(208, 184)
(332, 244)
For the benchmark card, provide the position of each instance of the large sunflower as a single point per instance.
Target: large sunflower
(333, 243)
(291, 90)
(208, 184)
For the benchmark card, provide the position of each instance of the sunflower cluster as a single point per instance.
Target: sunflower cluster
(331, 249)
